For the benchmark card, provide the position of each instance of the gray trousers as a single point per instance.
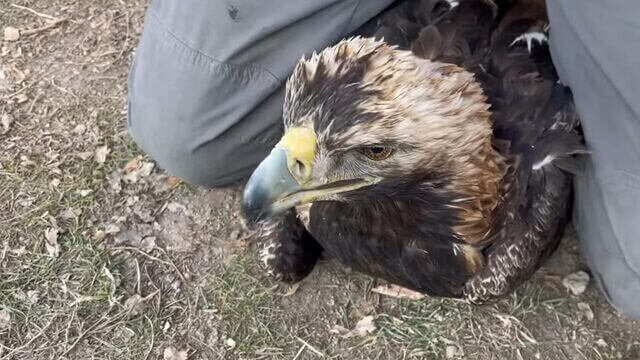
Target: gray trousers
(206, 89)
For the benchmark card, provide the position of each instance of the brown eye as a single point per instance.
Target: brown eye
(377, 152)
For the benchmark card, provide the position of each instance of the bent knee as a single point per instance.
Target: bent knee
(211, 165)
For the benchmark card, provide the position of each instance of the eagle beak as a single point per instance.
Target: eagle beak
(284, 178)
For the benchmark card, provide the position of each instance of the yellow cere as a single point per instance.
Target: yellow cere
(300, 144)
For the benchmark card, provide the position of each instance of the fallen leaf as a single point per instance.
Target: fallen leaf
(6, 120)
(133, 305)
(143, 171)
(148, 244)
(397, 292)
(84, 192)
(173, 182)
(100, 155)
(586, 311)
(11, 33)
(51, 242)
(132, 165)
(5, 319)
(166, 327)
(146, 169)
(21, 98)
(99, 235)
(144, 214)
(363, 327)
(115, 181)
(33, 296)
(175, 207)
(576, 282)
(18, 75)
(111, 229)
(17, 53)
(450, 351)
(79, 129)
(84, 155)
(70, 213)
(340, 330)
(171, 353)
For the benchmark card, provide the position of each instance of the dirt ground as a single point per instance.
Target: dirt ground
(105, 256)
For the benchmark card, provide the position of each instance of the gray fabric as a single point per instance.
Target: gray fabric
(596, 49)
(206, 86)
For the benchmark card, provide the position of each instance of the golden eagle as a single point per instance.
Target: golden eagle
(434, 149)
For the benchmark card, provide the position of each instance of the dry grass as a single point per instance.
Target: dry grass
(143, 265)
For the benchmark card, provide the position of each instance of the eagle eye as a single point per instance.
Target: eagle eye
(377, 152)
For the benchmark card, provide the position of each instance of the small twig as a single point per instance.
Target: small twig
(152, 338)
(43, 28)
(173, 265)
(131, 248)
(35, 12)
(139, 288)
(73, 315)
(318, 352)
(33, 103)
(299, 351)
(62, 89)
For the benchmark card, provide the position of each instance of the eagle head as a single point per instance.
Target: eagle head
(366, 121)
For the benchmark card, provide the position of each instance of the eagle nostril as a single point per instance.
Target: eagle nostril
(300, 169)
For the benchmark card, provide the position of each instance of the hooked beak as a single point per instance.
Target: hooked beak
(284, 178)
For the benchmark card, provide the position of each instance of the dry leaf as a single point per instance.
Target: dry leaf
(11, 34)
(79, 129)
(70, 213)
(450, 351)
(6, 120)
(148, 244)
(143, 171)
(175, 207)
(100, 155)
(146, 169)
(171, 353)
(363, 327)
(601, 343)
(84, 192)
(21, 98)
(51, 242)
(173, 182)
(134, 304)
(33, 296)
(84, 155)
(132, 165)
(115, 181)
(5, 319)
(587, 313)
(397, 292)
(576, 282)
(18, 75)
(111, 229)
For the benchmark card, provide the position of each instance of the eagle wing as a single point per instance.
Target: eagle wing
(535, 122)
